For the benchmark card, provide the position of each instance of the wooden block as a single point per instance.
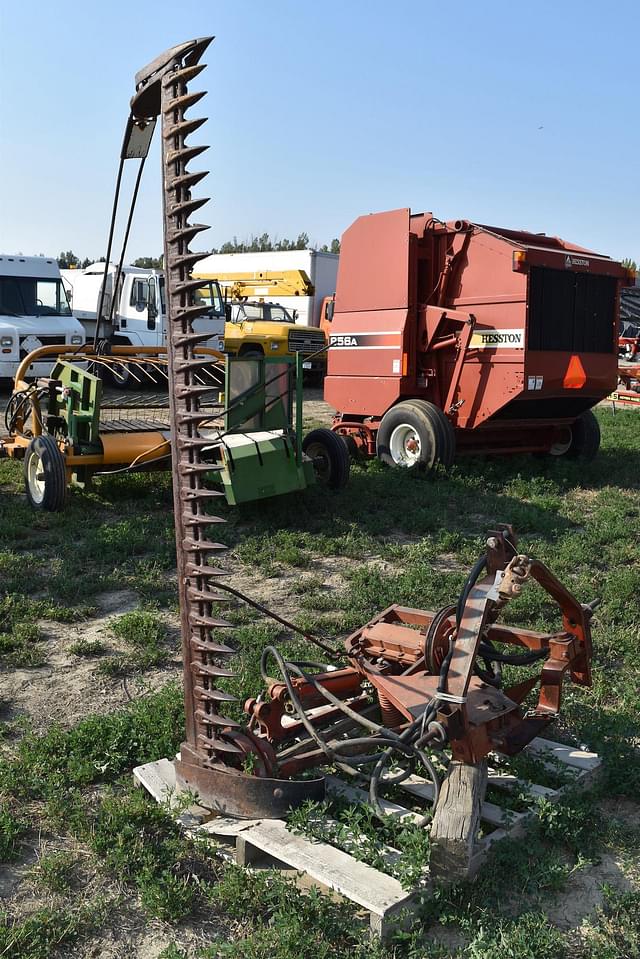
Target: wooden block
(226, 827)
(456, 820)
(379, 894)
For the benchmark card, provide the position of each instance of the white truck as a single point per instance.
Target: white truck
(34, 312)
(137, 318)
(320, 268)
(139, 313)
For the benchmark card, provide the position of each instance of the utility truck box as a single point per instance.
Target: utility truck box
(34, 312)
(296, 279)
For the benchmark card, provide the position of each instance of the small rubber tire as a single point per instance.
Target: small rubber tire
(585, 438)
(330, 456)
(352, 447)
(45, 476)
(425, 425)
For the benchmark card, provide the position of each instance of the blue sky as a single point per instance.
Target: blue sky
(512, 114)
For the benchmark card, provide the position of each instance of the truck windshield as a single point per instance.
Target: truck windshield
(209, 295)
(32, 296)
(264, 311)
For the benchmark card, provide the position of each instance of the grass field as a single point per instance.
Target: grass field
(89, 688)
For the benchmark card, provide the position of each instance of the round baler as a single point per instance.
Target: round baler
(459, 337)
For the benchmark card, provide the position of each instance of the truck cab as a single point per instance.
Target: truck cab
(271, 329)
(34, 312)
(138, 316)
(263, 329)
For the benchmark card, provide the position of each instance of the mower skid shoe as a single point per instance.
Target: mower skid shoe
(238, 794)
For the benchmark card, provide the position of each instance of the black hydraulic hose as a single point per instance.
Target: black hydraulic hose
(511, 659)
(279, 619)
(126, 237)
(396, 743)
(442, 614)
(302, 716)
(330, 752)
(374, 783)
(114, 212)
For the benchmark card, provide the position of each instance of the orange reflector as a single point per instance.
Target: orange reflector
(519, 261)
(575, 377)
(405, 364)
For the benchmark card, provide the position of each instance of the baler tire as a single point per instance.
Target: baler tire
(45, 475)
(331, 450)
(585, 438)
(446, 453)
(434, 431)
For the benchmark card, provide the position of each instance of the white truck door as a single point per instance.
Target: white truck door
(139, 316)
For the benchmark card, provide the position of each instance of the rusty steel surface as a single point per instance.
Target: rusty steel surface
(217, 749)
(478, 717)
(424, 667)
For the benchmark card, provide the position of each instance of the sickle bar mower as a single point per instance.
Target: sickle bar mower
(408, 684)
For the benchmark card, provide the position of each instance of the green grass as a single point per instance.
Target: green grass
(393, 537)
(144, 634)
(54, 871)
(87, 648)
(12, 830)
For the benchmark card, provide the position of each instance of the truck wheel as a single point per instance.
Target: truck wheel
(45, 477)
(121, 377)
(415, 434)
(585, 438)
(330, 457)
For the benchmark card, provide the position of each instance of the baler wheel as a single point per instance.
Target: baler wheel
(585, 438)
(415, 434)
(45, 477)
(330, 457)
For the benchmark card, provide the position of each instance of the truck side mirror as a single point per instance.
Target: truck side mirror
(329, 309)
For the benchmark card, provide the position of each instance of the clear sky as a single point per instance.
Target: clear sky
(515, 114)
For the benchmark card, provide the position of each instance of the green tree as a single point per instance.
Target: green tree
(149, 262)
(264, 244)
(68, 260)
(630, 264)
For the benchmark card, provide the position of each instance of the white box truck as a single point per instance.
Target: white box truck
(34, 312)
(321, 269)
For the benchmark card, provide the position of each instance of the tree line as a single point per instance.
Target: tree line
(255, 244)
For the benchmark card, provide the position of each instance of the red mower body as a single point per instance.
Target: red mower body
(512, 335)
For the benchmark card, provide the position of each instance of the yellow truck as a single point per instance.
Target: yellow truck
(256, 326)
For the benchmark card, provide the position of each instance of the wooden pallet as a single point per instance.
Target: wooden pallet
(251, 841)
